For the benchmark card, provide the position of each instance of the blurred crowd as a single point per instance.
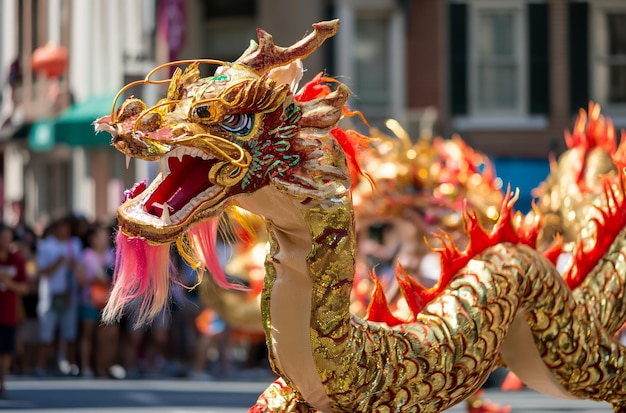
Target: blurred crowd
(53, 287)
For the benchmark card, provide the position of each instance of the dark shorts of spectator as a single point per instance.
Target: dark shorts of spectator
(8, 339)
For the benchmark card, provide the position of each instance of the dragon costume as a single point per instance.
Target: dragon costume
(247, 136)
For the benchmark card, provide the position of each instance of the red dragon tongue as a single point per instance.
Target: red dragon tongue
(187, 179)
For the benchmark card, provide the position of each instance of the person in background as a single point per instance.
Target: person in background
(144, 347)
(26, 244)
(57, 307)
(212, 331)
(13, 282)
(92, 274)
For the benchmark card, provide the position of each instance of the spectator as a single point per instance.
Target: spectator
(92, 274)
(211, 331)
(144, 349)
(28, 330)
(57, 306)
(13, 282)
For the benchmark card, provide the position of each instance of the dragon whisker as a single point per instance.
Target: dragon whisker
(241, 161)
(129, 86)
(184, 62)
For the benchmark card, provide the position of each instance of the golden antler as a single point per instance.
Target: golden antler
(267, 55)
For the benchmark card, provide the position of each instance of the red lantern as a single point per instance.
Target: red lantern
(50, 60)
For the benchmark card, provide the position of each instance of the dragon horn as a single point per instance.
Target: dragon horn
(267, 55)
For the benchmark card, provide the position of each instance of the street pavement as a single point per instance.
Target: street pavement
(182, 396)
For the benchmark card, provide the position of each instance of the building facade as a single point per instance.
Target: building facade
(516, 72)
(508, 75)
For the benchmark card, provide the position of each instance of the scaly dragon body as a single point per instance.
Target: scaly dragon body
(247, 137)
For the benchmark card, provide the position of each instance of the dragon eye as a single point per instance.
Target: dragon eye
(202, 111)
(240, 123)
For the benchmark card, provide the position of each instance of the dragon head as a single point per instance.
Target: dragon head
(220, 140)
(230, 134)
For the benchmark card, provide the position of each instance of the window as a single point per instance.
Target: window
(609, 55)
(499, 58)
(369, 53)
(371, 63)
(497, 84)
(216, 9)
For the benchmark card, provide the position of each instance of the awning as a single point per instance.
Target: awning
(73, 127)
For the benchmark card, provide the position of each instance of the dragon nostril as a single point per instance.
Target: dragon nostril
(150, 122)
(130, 108)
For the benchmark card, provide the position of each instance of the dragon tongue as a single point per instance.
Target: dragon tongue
(193, 181)
(187, 179)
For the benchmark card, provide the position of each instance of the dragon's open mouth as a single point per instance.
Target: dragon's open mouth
(187, 178)
(182, 186)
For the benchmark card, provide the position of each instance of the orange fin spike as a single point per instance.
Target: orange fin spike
(553, 162)
(351, 113)
(452, 260)
(313, 89)
(416, 295)
(529, 231)
(352, 144)
(504, 231)
(554, 250)
(478, 234)
(378, 308)
(528, 234)
(620, 153)
(612, 221)
(591, 130)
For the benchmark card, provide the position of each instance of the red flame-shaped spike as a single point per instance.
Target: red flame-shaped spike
(378, 308)
(611, 222)
(416, 295)
(452, 260)
(554, 251)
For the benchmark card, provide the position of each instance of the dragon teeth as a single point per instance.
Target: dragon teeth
(186, 210)
(163, 166)
(127, 161)
(165, 214)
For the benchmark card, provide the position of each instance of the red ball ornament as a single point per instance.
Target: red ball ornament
(50, 60)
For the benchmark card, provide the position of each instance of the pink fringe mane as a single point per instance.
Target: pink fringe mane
(142, 275)
(203, 240)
